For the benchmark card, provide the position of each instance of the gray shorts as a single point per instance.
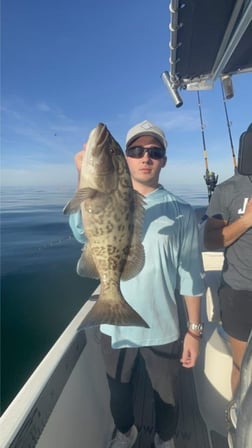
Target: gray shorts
(162, 364)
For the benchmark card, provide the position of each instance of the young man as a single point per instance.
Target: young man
(172, 260)
(229, 226)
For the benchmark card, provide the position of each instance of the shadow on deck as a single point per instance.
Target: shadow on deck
(191, 431)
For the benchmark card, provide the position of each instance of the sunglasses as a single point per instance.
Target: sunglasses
(137, 152)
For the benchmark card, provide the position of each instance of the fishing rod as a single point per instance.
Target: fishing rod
(210, 178)
(228, 125)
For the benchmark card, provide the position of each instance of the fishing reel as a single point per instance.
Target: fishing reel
(211, 181)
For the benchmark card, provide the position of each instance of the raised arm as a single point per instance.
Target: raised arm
(75, 219)
(78, 161)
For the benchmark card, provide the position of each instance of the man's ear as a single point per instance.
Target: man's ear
(164, 161)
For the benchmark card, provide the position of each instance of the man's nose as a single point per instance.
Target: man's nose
(146, 157)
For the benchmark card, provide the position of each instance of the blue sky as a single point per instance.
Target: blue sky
(67, 65)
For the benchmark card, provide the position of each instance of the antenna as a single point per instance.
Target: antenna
(210, 178)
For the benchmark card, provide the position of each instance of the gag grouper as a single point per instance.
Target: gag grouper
(112, 213)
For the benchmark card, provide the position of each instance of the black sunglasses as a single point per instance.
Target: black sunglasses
(155, 152)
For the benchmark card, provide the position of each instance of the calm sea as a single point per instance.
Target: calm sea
(40, 290)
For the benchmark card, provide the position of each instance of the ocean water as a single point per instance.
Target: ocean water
(40, 290)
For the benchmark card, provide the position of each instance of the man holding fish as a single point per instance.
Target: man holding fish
(142, 242)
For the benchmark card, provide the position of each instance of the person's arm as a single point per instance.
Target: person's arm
(191, 286)
(76, 225)
(219, 233)
(192, 337)
(75, 219)
(78, 161)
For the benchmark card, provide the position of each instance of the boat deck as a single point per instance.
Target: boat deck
(66, 399)
(191, 431)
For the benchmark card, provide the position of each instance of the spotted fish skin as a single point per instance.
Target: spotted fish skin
(112, 213)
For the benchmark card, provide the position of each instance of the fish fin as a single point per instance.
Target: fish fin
(102, 200)
(135, 261)
(80, 196)
(112, 312)
(86, 266)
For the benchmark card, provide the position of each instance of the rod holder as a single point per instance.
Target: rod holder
(172, 89)
(227, 86)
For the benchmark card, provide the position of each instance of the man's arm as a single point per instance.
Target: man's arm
(78, 161)
(192, 339)
(218, 233)
(191, 286)
(75, 219)
(76, 225)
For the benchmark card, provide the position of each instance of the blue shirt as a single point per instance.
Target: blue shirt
(172, 260)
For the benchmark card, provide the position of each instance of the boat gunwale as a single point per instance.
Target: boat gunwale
(44, 385)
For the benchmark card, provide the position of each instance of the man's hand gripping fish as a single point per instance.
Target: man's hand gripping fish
(112, 214)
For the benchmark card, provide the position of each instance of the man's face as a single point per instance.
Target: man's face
(145, 170)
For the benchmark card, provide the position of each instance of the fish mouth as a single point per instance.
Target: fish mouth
(102, 133)
(99, 157)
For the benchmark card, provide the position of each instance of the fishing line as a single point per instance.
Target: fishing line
(51, 244)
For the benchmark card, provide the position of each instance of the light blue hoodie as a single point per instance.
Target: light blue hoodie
(172, 261)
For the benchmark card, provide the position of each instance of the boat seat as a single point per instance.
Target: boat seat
(213, 368)
(212, 262)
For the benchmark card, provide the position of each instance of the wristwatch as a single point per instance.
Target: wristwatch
(195, 327)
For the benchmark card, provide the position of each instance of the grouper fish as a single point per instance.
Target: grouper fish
(112, 213)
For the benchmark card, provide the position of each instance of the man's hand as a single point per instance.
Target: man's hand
(79, 157)
(190, 351)
(78, 161)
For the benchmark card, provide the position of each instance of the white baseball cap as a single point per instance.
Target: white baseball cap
(146, 128)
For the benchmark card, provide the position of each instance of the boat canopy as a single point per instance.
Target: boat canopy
(209, 39)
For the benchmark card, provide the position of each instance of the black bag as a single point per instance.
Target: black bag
(245, 153)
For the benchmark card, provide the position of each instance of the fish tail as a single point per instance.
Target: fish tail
(116, 312)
